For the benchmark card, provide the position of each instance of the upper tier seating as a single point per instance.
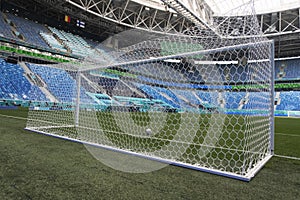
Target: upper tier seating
(5, 30)
(53, 43)
(287, 69)
(13, 85)
(93, 43)
(38, 34)
(29, 29)
(76, 43)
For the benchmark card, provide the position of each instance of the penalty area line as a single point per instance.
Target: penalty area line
(13, 117)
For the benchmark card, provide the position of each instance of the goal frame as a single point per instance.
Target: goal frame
(247, 177)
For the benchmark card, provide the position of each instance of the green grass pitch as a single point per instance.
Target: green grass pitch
(34, 166)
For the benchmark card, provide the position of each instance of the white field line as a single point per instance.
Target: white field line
(288, 157)
(23, 118)
(9, 116)
(292, 135)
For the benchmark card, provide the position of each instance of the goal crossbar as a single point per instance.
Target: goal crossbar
(186, 54)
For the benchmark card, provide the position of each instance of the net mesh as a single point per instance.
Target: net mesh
(201, 99)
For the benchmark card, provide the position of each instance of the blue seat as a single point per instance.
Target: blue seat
(289, 101)
(61, 84)
(29, 29)
(13, 85)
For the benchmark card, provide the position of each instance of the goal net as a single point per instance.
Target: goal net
(202, 100)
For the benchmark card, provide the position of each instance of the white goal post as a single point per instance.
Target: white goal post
(198, 100)
(204, 134)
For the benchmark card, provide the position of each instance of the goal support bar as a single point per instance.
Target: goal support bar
(245, 178)
(160, 58)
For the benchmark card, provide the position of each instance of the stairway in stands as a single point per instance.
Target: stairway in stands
(36, 80)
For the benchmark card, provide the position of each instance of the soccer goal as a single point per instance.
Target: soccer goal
(202, 100)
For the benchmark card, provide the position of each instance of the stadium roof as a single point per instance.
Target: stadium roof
(221, 7)
(279, 19)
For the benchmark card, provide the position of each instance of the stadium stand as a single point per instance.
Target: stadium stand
(102, 99)
(40, 35)
(289, 101)
(166, 93)
(20, 29)
(75, 43)
(187, 95)
(92, 43)
(5, 27)
(255, 100)
(29, 29)
(60, 83)
(13, 84)
(208, 97)
(233, 99)
(52, 42)
(152, 93)
(287, 69)
(233, 73)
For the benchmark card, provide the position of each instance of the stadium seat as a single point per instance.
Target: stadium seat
(289, 101)
(29, 29)
(13, 85)
(291, 69)
(233, 99)
(5, 29)
(75, 43)
(60, 83)
(52, 42)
